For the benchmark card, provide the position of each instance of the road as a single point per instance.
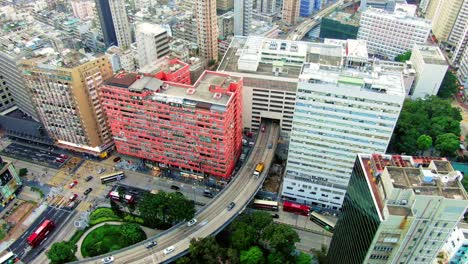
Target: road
(308, 24)
(214, 217)
(311, 240)
(23, 250)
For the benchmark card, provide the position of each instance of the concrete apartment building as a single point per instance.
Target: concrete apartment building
(83, 9)
(224, 5)
(10, 182)
(190, 131)
(462, 72)
(106, 22)
(459, 35)
(121, 25)
(64, 92)
(169, 70)
(207, 29)
(291, 11)
(399, 209)
(152, 42)
(242, 17)
(430, 66)
(226, 25)
(389, 34)
(353, 109)
(444, 14)
(121, 59)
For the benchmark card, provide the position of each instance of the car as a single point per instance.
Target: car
(87, 191)
(63, 156)
(175, 187)
(73, 197)
(270, 146)
(208, 194)
(108, 260)
(89, 178)
(73, 184)
(192, 222)
(231, 205)
(59, 160)
(151, 244)
(275, 215)
(263, 128)
(117, 159)
(169, 250)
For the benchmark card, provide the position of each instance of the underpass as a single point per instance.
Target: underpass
(214, 216)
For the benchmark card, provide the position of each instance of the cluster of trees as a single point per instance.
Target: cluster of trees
(163, 210)
(62, 252)
(449, 85)
(403, 57)
(250, 239)
(426, 123)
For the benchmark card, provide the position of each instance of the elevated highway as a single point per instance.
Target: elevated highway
(310, 23)
(214, 216)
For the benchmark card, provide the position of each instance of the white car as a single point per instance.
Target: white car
(108, 260)
(192, 222)
(169, 250)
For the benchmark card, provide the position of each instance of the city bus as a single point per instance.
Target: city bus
(265, 205)
(296, 208)
(322, 221)
(9, 258)
(114, 195)
(112, 177)
(41, 233)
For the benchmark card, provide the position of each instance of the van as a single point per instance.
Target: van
(208, 194)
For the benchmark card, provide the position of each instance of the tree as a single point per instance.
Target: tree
(62, 252)
(243, 236)
(403, 57)
(449, 85)
(206, 250)
(281, 238)
(22, 172)
(447, 144)
(303, 258)
(131, 232)
(277, 258)
(252, 256)
(183, 260)
(424, 142)
(180, 208)
(116, 208)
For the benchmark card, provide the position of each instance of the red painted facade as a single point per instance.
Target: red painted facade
(171, 70)
(195, 129)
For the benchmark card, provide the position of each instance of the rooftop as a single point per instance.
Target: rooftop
(49, 59)
(149, 28)
(431, 54)
(345, 18)
(164, 64)
(212, 88)
(402, 17)
(421, 175)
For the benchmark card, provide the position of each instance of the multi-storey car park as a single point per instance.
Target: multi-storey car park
(194, 131)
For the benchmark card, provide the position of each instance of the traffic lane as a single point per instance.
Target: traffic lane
(20, 246)
(310, 240)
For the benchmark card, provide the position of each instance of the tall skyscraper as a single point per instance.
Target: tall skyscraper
(398, 209)
(340, 111)
(459, 35)
(121, 25)
(207, 29)
(152, 43)
(189, 131)
(107, 25)
(224, 5)
(265, 6)
(64, 91)
(290, 11)
(444, 14)
(389, 34)
(462, 54)
(242, 17)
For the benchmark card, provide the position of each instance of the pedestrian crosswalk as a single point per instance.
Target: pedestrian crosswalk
(63, 202)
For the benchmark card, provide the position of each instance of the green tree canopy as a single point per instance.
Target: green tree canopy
(424, 142)
(447, 144)
(403, 57)
(449, 85)
(430, 116)
(131, 232)
(62, 252)
(22, 172)
(252, 256)
(303, 258)
(281, 238)
(206, 250)
(243, 236)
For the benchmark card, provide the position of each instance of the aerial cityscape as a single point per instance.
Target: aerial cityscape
(234, 131)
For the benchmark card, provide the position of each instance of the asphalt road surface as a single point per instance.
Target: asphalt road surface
(215, 215)
(22, 249)
(33, 154)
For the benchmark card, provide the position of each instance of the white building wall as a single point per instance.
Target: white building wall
(152, 43)
(242, 17)
(390, 34)
(331, 125)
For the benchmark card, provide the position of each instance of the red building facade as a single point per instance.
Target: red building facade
(196, 129)
(166, 69)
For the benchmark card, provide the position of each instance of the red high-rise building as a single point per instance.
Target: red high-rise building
(166, 69)
(195, 129)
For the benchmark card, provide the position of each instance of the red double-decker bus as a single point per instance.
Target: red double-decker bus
(116, 197)
(296, 208)
(41, 232)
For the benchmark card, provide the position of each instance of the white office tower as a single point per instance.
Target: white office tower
(389, 34)
(121, 25)
(430, 66)
(152, 43)
(242, 17)
(340, 111)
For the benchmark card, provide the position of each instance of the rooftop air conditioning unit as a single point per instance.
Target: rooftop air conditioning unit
(190, 91)
(217, 96)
